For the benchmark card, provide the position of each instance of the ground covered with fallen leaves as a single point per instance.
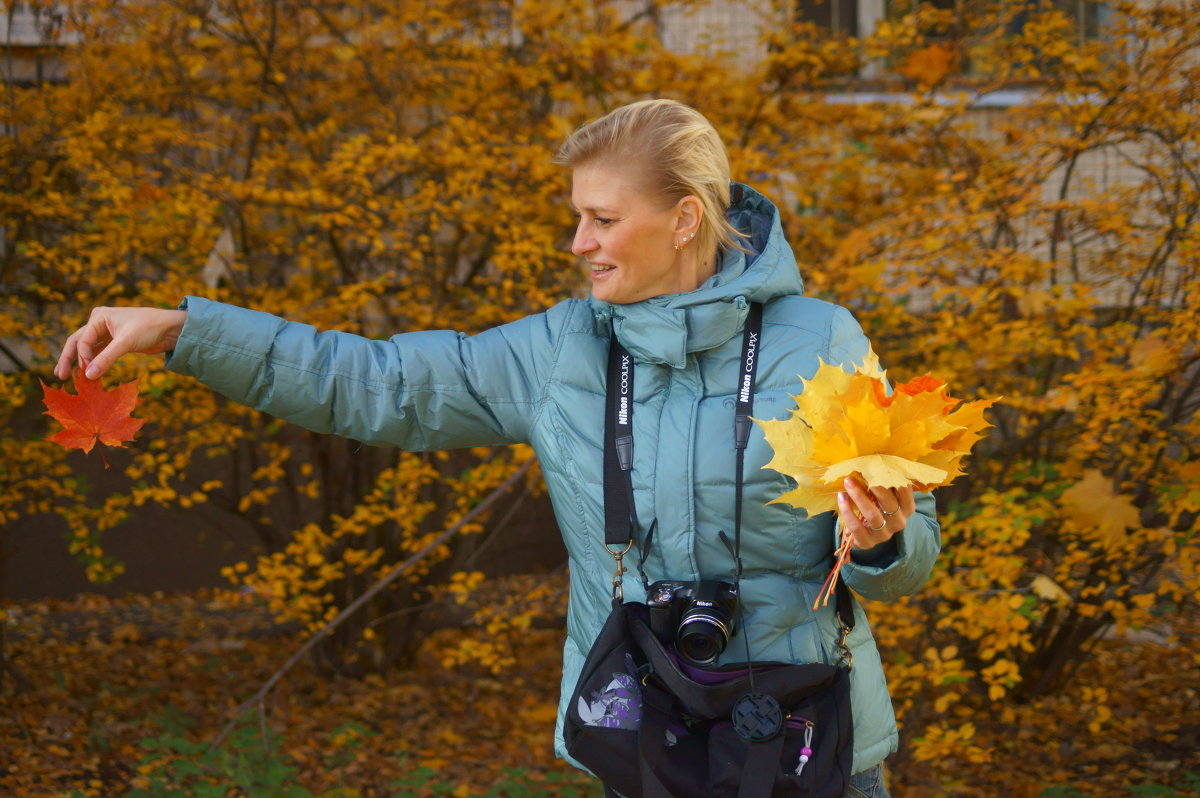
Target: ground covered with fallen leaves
(124, 696)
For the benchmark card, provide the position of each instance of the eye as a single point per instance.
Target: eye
(600, 220)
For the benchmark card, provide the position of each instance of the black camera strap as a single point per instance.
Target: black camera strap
(620, 511)
(741, 423)
(753, 704)
(620, 514)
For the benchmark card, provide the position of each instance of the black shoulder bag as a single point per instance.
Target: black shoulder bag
(652, 724)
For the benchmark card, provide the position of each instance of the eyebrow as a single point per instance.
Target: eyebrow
(590, 209)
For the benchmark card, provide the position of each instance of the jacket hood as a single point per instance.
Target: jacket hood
(665, 329)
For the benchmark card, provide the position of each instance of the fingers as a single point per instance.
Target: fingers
(893, 502)
(62, 369)
(75, 349)
(866, 532)
(98, 363)
(87, 354)
(874, 515)
(83, 346)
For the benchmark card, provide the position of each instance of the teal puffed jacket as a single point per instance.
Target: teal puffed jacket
(541, 380)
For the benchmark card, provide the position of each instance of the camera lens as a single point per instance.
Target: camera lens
(702, 637)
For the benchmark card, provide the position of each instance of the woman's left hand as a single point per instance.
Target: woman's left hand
(873, 515)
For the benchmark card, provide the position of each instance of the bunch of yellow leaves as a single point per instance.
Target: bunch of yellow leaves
(848, 425)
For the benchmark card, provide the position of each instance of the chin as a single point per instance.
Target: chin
(606, 294)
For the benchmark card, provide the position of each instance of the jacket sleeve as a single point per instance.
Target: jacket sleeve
(419, 391)
(906, 566)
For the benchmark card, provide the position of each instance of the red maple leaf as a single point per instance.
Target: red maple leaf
(93, 415)
(923, 384)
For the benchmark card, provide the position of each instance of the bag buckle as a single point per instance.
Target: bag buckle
(618, 593)
(847, 655)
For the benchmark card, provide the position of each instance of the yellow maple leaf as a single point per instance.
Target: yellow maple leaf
(884, 471)
(847, 425)
(1093, 505)
(1047, 588)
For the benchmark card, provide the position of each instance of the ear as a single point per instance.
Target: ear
(689, 213)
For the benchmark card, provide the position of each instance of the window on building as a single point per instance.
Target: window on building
(838, 16)
(1088, 15)
(963, 24)
(30, 34)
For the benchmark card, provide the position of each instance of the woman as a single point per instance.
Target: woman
(675, 256)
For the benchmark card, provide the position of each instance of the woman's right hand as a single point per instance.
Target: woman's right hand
(113, 332)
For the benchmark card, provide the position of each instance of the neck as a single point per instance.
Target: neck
(695, 267)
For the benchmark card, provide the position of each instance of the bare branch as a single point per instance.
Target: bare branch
(258, 698)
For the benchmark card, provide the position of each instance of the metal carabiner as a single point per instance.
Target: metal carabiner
(843, 647)
(618, 592)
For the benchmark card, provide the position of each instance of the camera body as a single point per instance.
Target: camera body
(696, 616)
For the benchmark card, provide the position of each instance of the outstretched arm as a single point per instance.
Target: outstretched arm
(433, 389)
(424, 390)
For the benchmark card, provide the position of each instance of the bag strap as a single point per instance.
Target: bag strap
(844, 612)
(652, 739)
(761, 765)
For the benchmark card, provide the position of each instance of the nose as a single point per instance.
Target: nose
(584, 241)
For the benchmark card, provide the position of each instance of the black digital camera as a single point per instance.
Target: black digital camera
(696, 616)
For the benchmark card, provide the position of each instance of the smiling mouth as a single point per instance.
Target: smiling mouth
(601, 268)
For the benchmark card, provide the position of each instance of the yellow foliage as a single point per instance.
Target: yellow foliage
(1091, 503)
(847, 425)
(942, 742)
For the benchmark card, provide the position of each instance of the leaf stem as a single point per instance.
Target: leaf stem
(840, 558)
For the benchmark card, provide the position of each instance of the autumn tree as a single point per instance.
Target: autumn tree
(1049, 255)
(375, 169)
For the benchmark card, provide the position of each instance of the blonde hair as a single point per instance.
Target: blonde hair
(677, 152)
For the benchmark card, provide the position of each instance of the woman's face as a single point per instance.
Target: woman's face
(626, 238)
